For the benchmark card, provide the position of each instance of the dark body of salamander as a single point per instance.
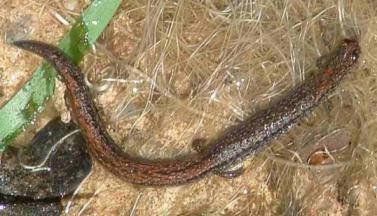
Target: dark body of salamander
(234, 144)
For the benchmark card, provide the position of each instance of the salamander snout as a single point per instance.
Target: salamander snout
(351, 51)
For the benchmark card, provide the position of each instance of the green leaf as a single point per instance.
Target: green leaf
(23, 107)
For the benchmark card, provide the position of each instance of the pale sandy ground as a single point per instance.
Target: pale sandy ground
(202, 66)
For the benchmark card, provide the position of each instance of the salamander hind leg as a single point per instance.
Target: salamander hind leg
(199, 145)
(230, 172)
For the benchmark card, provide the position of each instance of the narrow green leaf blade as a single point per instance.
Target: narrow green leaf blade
(23, 107)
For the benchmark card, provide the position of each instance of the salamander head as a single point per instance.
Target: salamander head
(350, 51)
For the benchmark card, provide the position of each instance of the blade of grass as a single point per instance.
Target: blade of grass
(23, 107)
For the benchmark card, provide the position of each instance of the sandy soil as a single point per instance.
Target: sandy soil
(167, 72)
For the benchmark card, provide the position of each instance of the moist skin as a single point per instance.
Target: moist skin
(233, 145)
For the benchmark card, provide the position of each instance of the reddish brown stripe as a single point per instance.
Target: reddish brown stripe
(233, 145)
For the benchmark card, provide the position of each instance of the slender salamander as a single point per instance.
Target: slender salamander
(234, 144)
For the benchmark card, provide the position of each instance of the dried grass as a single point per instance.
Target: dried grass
(166, 72)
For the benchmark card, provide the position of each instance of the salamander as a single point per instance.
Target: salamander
(233, 144)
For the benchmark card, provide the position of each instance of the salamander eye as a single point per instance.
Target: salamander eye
(354, 56)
